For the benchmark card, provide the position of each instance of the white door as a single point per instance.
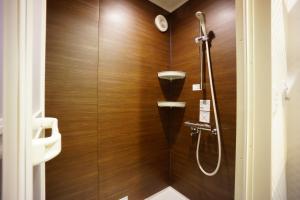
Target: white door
(26, 149)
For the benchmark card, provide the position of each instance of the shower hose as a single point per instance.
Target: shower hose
(216, 119)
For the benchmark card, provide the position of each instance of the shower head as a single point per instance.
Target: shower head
(201, 16)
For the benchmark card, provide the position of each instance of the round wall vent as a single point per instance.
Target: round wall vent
(161, 23)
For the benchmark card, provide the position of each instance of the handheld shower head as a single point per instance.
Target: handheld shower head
(201, 16)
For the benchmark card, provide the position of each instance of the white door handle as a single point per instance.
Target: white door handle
(44, 149)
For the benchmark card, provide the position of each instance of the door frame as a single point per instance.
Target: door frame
(253, 143)
(14, 62)
(17, 99)
(254, 115)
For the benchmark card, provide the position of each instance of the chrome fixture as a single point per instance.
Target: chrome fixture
(203, 37)
(200, 39)
(197, 128)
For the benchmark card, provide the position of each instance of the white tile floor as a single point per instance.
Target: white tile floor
(168, 194)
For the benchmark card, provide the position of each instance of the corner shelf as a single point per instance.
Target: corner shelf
(170, 104)
(171, 75)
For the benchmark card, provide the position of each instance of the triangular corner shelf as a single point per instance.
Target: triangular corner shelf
(170, 104)
(171, 75)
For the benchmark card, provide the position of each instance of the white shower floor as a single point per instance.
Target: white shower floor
(168, 194)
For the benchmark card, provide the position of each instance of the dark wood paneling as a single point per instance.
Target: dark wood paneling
(133, 150)
(71, 96)
(185, 175)
(115, 139)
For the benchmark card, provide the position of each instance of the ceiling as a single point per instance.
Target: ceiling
(169, 5)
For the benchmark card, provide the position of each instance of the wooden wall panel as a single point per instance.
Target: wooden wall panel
(71, 96)
(101, 83)
(185, 175)
(133, 149)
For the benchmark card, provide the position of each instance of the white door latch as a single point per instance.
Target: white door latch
(46, 148)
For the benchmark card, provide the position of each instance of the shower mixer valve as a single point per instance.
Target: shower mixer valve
(197, 127)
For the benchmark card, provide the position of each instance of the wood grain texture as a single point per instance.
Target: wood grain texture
(133, 149)
(102, 85)
(71, 96)
(185, 175)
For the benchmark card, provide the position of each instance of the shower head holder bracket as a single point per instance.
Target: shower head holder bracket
(202, 38)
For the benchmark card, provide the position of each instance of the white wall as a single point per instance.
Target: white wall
(286, 114)
(293, 105)
(279, 74)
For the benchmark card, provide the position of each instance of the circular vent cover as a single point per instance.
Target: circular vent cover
(161, 23)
